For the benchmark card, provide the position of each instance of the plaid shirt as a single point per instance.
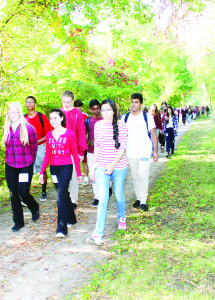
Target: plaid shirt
(19, 155)
(174, 122)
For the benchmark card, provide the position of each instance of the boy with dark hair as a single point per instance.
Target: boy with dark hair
(90, 124)
(140, 127)
(42, 126)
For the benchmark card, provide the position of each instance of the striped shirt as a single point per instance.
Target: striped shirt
(105, 143)
(18, 155)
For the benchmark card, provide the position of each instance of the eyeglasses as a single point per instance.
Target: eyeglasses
(12, 113)
(30, 102)
(95, 108)
(104, 110)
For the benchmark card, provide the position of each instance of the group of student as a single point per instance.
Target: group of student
(69, 137)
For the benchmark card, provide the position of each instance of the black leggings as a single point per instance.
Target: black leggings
(20, 190)
(66, 214)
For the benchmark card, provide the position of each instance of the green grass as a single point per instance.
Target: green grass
(168, 252)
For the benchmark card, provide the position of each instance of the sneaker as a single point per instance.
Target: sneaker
(60, 235)
(122, 224)
(136, 204)
(74, 206)
(36, 216)
(86, 181)
(43, 196)
(162, 150)
(23, 204)
(69, 225)
(168, 154)
(95, 203)
(144, 207)
(110, 192)
(95, 239)
(17, 227)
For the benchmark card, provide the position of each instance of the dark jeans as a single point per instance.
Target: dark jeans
(162, 139)
(184, 119)
(66, 213)
(170, 139)
(20, 190)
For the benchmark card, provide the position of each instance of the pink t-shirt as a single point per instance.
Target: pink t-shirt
(59, 152)
(105, 143)
(91, 132)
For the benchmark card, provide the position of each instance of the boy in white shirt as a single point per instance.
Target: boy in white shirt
(139, 148)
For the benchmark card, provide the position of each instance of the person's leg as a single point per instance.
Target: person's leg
(85, 168)
(94, 184)
(103, 182)
(143, 171)
(172, 140)
(12, 177)
(41, 151)
(61, 176)
(74, 185)
(118, 177)
(134, 166)
(168, 142)
(25, 177)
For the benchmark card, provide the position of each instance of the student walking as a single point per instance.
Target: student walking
(110, 139)
(60, 145)
(42, 126)
(157, 119)
(74, 122)
(20, 139)
(170, 129)
(139, 147)
(90, 127)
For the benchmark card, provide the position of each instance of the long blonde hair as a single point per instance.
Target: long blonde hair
(23, 130)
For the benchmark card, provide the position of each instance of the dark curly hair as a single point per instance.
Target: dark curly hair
(114, 123)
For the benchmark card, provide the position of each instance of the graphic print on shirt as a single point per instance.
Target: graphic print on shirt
(58, 146)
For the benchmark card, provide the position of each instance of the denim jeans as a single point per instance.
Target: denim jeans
(170, 139)
(103, 183)
(66, 213)
(20, 190)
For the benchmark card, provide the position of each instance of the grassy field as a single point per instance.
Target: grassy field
(168, 252)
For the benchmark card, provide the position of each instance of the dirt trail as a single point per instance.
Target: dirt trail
(36, 266)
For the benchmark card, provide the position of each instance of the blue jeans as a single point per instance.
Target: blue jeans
(170, 139)
(103, 183)
(66, 213)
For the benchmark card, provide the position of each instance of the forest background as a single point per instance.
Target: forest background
(106, 49)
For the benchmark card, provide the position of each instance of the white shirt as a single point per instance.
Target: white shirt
(139, 144)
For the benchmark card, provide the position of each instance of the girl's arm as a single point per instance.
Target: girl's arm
(74, 151)
(46, 158)
(32, 135)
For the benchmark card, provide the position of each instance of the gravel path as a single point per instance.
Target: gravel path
(36, 266)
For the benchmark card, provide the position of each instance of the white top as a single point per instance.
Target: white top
(139, 144)
(170, 124)
(104, 141)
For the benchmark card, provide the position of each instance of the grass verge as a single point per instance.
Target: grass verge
(168, 252)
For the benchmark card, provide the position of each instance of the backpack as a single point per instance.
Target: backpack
(40, 117)
(87, 122)
(145, 118)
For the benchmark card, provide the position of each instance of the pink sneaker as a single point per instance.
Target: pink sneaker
(122, 224)
(96, 239)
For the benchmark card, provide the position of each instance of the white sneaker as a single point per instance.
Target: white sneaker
(69, 225)
(23, 204)
(86, 181)
(60, 235)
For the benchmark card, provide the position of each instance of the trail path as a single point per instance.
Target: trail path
(36, 266)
